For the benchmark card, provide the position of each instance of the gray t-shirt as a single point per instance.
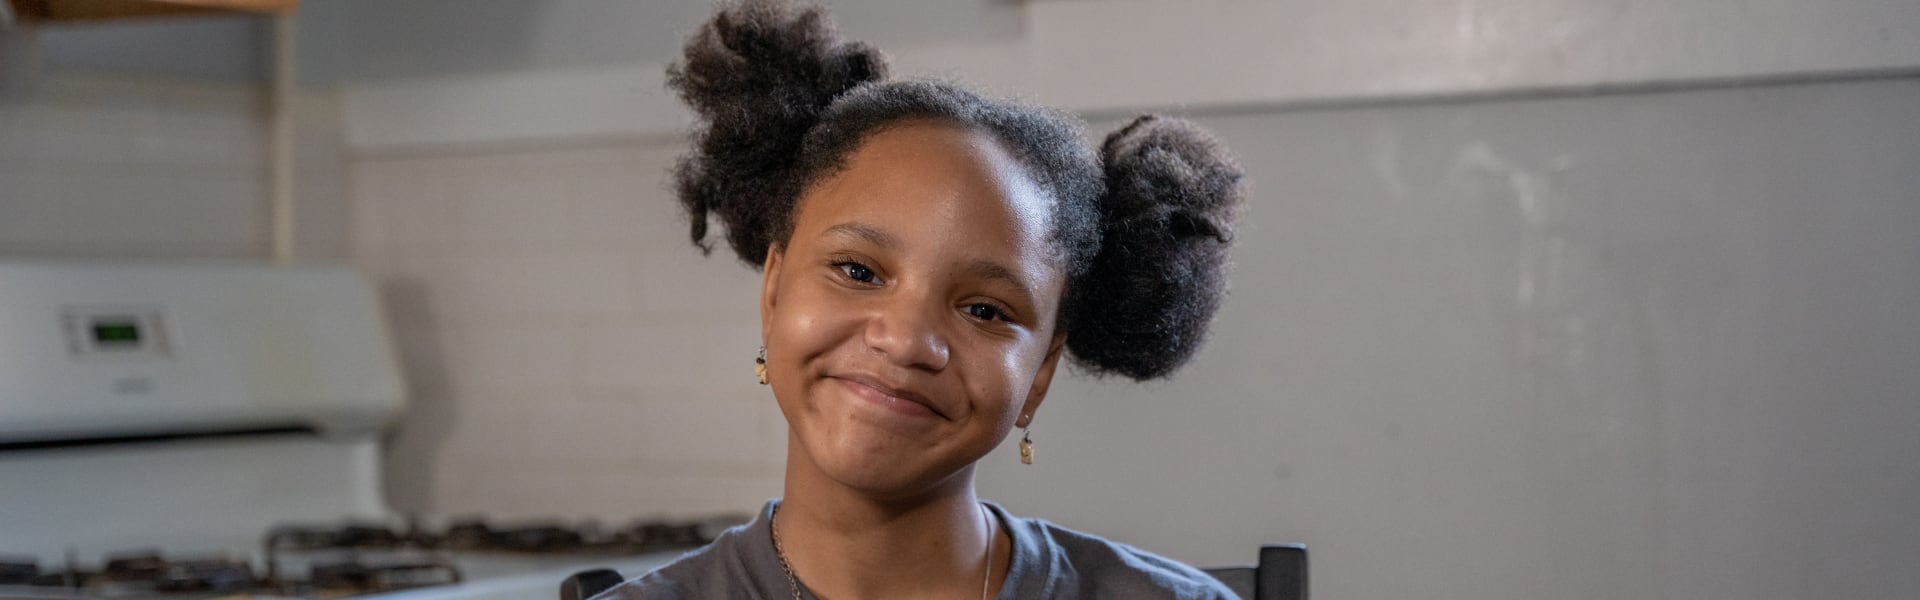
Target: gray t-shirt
(1049, 561)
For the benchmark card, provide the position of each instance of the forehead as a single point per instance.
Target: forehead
(936, 181)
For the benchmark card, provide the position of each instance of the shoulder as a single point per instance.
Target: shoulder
(679, 580)
(726, 568)
(1080, 564)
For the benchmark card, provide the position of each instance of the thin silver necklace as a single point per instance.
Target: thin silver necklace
(793, 583)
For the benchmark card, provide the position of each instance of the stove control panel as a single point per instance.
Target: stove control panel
(103, 351)
(115, 332)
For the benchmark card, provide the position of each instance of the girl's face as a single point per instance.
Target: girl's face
(909, 321)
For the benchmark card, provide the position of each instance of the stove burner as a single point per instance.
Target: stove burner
(538, 538)
(148, 570)
(469, 534)
(666, 535)
(366, 536)
(139, 565)
(355, 576)
(63, 579)
(217, 574)
(18, 570)
(475, 534)
(352, 535)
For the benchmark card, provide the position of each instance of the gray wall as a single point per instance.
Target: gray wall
(220, 48)
(135, 168)
(149, 139)
(1657, 345)
(346, 41)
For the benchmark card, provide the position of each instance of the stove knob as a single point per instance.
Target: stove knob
(587, 584)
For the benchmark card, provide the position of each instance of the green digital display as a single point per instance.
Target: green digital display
(116, 334)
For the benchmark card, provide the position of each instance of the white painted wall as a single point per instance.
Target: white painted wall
(363, 41)
(1646, 346)
(1118, 55)
(1100, 55)
(231, 48)
(568, 352)
(101, 165)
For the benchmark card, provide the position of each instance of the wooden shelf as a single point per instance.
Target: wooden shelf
(33, 11)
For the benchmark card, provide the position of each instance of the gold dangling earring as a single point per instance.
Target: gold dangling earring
(760, 366)
(1026, 447)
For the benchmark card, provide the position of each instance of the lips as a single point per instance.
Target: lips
(896, 397)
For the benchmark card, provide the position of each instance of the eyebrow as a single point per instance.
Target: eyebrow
(866, 232)
(993, 270)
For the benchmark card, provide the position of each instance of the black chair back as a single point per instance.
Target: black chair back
(587, 584)
(1280, 575)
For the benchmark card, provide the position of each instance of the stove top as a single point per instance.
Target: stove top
(356, 560)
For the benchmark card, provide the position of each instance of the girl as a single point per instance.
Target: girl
(929, 256)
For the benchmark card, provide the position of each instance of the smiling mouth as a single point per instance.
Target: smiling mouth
(900, 401)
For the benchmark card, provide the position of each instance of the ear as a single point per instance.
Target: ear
(1041, 381)
(770, 288)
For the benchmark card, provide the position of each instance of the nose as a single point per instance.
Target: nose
(904, 327)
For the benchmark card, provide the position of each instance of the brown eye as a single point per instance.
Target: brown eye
(855, 271)
(984, 312)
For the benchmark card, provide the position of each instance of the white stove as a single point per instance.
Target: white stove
(213, 431)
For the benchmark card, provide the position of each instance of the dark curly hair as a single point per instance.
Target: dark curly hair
(1142, 229)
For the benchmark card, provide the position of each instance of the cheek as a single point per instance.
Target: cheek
(1006, 376)
(805, 325)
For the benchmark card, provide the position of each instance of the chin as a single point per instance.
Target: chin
(884, 475)
(878, 485)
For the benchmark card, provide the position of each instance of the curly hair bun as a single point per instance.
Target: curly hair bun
(758, 75)
(1143, 307)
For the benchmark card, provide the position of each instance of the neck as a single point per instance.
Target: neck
(845, 544)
